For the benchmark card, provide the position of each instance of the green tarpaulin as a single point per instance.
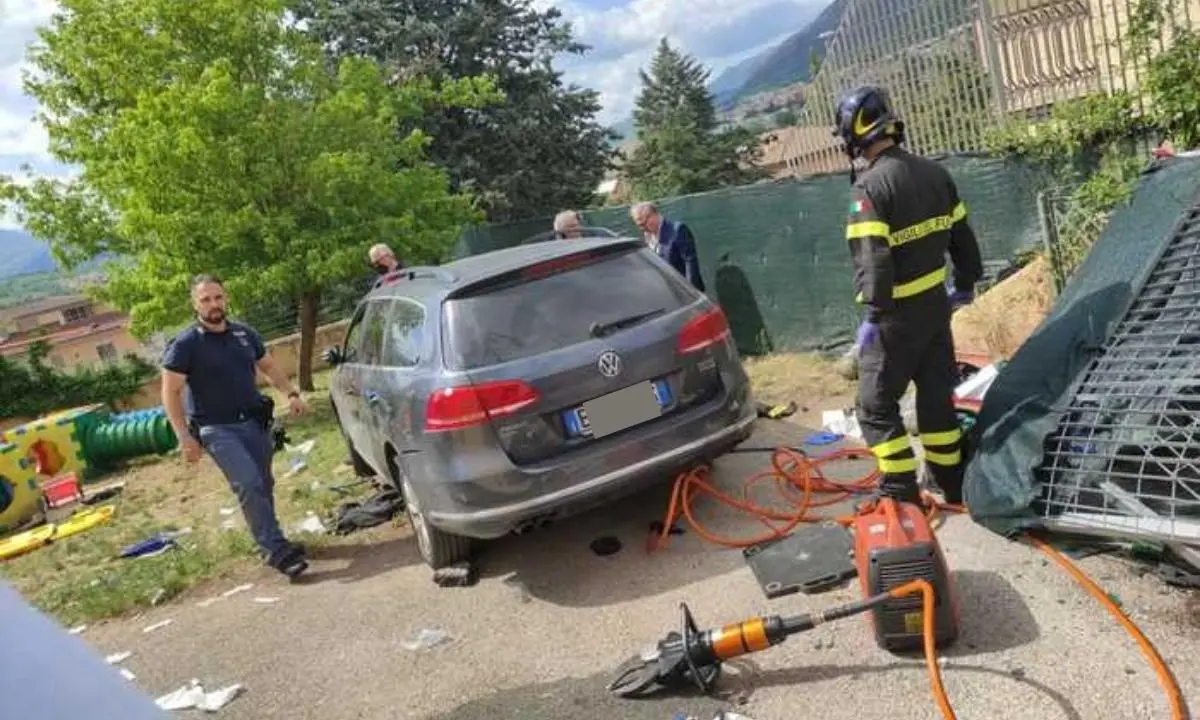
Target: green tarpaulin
(1024, 403)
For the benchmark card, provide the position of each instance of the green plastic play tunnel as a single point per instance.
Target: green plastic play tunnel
(113, 441)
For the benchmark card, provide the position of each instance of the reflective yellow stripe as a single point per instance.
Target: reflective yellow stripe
(895, 467)
(925, 228)
(948, 437)
(870, 228)
(891, 447)
(948, 459)
(921, 284)
(921, 230)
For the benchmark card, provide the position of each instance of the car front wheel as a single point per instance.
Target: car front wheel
(438, 549)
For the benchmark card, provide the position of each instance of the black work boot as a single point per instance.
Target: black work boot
(291, 563)
(949, 481)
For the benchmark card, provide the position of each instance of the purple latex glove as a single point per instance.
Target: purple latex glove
(960, 298)
(868, 334)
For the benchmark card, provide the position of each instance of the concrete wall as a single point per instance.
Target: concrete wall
(286, 351)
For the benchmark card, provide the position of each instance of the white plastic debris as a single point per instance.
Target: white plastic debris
(157, 626)
(976, 386)
(840, 422)
(209, 601)
(427, 638)
(193, 696)
(266, 600)
(77, 629)
(234, 591)
(118, 658)
(127, 674)
(159, 594)
(226, 512)
(311, 524)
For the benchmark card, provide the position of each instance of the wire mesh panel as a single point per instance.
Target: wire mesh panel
(1125, 458)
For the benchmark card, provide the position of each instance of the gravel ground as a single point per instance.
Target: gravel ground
(538, 637)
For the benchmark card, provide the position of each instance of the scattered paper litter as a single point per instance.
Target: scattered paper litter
(157, 626)
(427, 638)
(127, 675)
(77, 629)
(193, 696)
(234, 591)
(226, 512)
(840, 422)
(266, 600)
(118, 658)
(310, 524)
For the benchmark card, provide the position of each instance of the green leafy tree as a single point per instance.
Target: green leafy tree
(786, 118)
(541, 150)
(213, 137)
(1172, 74)
(682, 148)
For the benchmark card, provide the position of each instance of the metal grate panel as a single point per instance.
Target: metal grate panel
(1124, 460)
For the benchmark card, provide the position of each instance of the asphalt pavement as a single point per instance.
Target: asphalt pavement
(539, 636)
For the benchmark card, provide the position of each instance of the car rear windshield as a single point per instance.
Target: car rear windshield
(543, 313)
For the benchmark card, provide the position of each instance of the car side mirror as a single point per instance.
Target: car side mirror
(333, 356)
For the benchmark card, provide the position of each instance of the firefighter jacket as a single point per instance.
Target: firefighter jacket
(905, 215)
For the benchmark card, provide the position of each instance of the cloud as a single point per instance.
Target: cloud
(623, 37)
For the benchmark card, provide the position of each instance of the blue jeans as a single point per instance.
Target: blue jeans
(243, 452)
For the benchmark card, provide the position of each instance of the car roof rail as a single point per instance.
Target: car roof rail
(419, 271)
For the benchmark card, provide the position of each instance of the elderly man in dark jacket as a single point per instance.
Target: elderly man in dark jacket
(671, 239)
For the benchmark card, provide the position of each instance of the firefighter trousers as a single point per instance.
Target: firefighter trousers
(914, 345)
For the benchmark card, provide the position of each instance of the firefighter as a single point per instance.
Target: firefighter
(905, 215)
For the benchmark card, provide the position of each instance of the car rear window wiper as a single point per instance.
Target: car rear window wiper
(599, 329)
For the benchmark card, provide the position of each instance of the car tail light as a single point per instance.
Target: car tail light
(466, 405)
(705, 330)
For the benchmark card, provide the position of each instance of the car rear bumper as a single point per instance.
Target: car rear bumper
(499, 520)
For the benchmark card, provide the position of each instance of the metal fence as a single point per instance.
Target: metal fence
(958, 68)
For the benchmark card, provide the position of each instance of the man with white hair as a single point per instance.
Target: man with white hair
(383, 260)
(567, 225)
(671, 239)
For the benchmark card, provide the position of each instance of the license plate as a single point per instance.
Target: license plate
(619, 410)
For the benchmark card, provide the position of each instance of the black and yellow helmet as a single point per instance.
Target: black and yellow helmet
(863, 117)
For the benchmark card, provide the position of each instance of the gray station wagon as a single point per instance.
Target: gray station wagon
(504, 390)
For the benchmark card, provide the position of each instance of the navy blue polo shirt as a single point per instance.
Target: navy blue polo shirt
(220, 370)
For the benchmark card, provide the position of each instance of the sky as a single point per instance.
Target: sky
(622, 34)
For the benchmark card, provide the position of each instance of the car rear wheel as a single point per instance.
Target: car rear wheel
(438, 549)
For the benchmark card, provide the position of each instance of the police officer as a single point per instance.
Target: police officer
(216, 360)
(905, 215)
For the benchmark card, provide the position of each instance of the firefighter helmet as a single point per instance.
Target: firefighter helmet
(863, 117)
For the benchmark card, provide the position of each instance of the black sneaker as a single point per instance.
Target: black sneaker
(293, 563)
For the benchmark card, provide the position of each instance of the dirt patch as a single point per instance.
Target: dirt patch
(809, 380)
(1003, 318)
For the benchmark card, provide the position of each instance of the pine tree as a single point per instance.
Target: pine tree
(682, 147)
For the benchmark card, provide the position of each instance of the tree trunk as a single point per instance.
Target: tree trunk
(310, 302)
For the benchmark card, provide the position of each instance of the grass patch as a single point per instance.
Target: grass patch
(81, 579)
(806, 378)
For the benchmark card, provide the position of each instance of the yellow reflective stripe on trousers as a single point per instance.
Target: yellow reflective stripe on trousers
(896, 467)
(949, 437)
(946, 459)
(869, 228)
(889, 448)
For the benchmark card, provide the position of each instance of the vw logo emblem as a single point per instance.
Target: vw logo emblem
(609, 364)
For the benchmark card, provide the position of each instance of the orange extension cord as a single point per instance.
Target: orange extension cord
(800, 481)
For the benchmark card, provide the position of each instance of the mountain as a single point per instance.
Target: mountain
(778, 65)
(729, 83)
(788, 62)
(21, 254)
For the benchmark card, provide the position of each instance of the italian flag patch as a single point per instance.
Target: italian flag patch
(857, 207)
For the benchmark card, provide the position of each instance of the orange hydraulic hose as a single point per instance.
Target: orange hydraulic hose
(794, 475)
(798, 480)
(1165, 676)
(923, 587)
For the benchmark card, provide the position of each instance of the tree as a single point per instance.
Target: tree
(540, 151)
(682, 148)
(787, 118)
(213, 137)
